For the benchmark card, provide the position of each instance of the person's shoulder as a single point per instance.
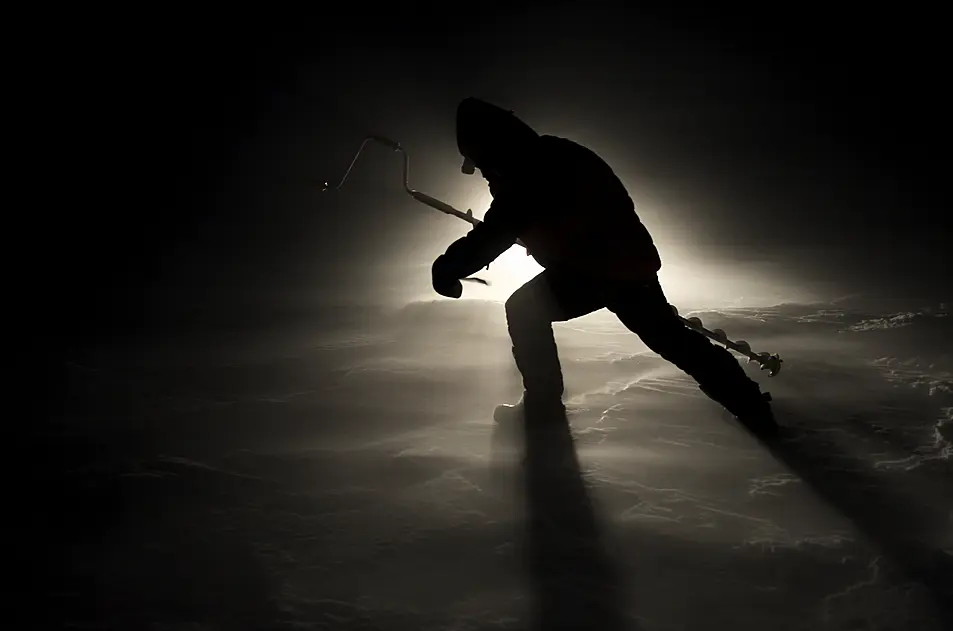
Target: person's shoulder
(547, 141)
(563, 146)
(556, 149)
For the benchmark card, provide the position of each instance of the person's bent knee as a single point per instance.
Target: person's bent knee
(518, 306)
(524, 313)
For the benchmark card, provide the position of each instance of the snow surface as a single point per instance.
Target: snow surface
(350, 476)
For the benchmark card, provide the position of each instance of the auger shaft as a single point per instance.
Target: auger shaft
(421, 197)
(771, 363)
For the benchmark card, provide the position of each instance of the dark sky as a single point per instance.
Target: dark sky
(802, 141)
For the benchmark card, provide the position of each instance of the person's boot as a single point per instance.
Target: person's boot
(542, 400)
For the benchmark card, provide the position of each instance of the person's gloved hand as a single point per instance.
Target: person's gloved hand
(445, 282)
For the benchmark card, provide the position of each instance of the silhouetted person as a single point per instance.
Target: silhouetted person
(577, 220)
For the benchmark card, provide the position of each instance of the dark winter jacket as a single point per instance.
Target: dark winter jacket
(556, 196)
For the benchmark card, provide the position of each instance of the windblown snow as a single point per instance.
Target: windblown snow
(352, 478)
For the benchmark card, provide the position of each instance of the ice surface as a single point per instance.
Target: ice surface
(352, 478)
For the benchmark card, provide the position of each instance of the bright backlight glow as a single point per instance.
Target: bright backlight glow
(506, 274)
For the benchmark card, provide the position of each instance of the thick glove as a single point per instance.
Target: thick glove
(445, 282)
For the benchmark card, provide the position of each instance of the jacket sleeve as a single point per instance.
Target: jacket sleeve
(499, 230)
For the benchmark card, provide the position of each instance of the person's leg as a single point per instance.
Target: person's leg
(645, 311)
(552, 296)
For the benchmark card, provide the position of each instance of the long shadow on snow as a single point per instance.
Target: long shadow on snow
(892, 521)
(574, 583)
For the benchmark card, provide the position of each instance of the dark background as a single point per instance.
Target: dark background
(189, 153)
(181, 158)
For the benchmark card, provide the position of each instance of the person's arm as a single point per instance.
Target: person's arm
(482, 245)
